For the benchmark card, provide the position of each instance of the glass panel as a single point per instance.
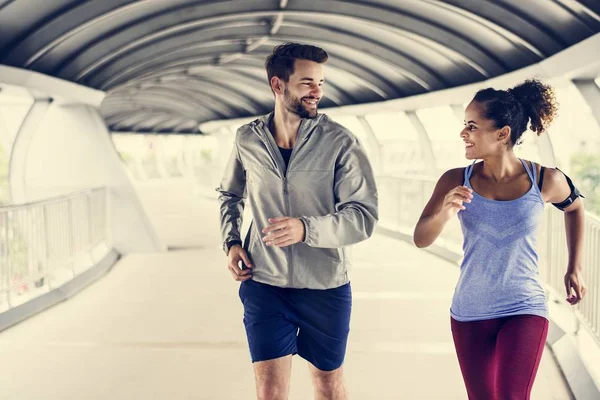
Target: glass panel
(171, 147)
(353, 124)
(4, 185)
(15, 103)
(399, 143)
(130, 148)
(205, 159)
(444, 127)
(529, 149)
(575, 136)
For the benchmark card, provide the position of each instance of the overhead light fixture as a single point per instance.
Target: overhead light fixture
(145, 85)
(199, 68)
(170, 78)
(228, 58)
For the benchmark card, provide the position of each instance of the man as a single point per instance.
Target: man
(311, 191)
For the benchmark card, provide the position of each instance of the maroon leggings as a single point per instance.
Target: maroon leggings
(499, 357)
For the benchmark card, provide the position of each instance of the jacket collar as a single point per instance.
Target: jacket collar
(306, 128)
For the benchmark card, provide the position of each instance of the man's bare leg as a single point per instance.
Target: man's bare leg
(273, 378)
(328, 385)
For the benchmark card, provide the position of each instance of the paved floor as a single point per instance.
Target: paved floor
(168, 325)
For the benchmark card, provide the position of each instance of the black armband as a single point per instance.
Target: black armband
(572, 197)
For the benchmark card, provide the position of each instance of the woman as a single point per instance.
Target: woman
(499, 317)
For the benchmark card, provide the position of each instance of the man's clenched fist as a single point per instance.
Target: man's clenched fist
(235, 255)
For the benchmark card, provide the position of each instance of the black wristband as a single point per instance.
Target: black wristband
(231, 243)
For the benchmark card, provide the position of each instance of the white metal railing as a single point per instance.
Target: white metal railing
(401, 201)
(46, 243)
(554, 259)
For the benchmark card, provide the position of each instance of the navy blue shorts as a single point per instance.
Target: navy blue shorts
(309, 322)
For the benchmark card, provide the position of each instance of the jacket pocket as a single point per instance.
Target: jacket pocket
(341, 255)
(249, 243)
(252, 235)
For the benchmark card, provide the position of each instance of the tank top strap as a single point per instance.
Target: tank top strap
(530, 171)
(468, 173)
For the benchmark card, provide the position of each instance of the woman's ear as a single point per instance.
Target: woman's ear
(504, 135)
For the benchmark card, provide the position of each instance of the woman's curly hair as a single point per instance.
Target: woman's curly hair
(529, 101)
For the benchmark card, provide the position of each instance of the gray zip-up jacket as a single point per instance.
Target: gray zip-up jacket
(328, 184)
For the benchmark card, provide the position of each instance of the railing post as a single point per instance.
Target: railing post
(90, 227)
(8, 263)
(47, 244)
(89, 210)
(399, 205)
(71, 233)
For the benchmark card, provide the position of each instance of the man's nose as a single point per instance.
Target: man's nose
(316, 91)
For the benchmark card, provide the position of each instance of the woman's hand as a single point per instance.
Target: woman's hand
(575, 286)
(453, 201)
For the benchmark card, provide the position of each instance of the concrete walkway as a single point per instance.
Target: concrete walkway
(169, 325)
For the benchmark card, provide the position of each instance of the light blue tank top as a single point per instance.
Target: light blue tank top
(499, 274)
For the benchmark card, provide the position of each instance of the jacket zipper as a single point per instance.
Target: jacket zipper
(284, 177)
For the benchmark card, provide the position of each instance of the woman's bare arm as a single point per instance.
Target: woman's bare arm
(445, 202)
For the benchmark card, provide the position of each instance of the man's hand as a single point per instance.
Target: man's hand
(235, 255)
(283, 231)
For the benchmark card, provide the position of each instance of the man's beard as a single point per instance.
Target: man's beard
(293, 104)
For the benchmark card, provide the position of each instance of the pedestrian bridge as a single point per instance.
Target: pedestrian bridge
(116, 120)
(169, 325)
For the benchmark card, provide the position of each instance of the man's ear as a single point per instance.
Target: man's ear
(277, 85)
(504, 134)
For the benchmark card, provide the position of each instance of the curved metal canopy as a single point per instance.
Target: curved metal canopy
(171, 65)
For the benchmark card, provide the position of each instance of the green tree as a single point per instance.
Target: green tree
(206, 155)
(586, 174)
(126, 157)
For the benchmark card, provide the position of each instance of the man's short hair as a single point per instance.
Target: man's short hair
(280, 62)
